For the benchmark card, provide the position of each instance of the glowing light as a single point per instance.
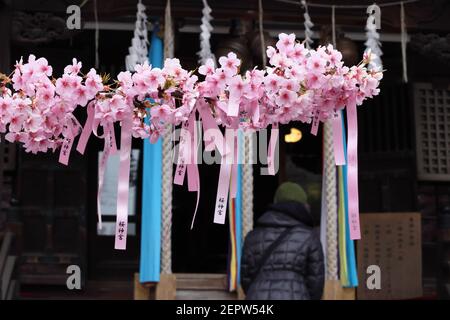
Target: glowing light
(294, 136)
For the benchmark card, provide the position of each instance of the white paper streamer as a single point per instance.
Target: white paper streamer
(138, 51)
(373, 43)
(308, 25)
(205, 35)
(404, 38)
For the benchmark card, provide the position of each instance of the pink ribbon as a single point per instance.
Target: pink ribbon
(192, 167)
(101, 173)
(87, 129)
(233, 104)
(212, 134)
(271, 152)
(224, 183)
(183, 154)
(352, 169)
(336, 123)
(123, 184)
(222, 193)
(112, 139)
(187, 160)
(109, 148)
(71, 129)
(254, 106)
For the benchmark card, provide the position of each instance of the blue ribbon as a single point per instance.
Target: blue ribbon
(150, 263)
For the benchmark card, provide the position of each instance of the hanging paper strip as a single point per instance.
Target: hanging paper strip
(352, 274)
(352, 168)
(336, 122)
(123, 185)
(151, 191)
(224, 180)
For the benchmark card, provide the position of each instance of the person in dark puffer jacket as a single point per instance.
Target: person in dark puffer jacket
(294, 270)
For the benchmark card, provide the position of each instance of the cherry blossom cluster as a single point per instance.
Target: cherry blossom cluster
(299, 84)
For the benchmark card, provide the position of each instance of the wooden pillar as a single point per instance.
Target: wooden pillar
(334, 291)
(166, 288)
(141, 291)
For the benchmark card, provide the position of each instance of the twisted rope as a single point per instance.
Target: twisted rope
(308, 25)
(331, 204)
(247, 186)
(167, 167)
(168, 33)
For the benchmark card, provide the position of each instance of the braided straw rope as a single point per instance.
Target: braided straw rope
(331, 204)
(167, 167)
(247, 185)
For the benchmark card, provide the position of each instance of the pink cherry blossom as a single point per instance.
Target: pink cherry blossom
(237, 85)
(230, 63)
(272, 82)
(286, 42)
(93, 83)
(74, 68)
(43, 67)
(154, 79)
(297, 84)
(81, 95)
(270, 51)
(299, 53)
(285, 97)
(207, 68)
(316, 64)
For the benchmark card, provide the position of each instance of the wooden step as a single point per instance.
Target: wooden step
(201, 286)
(201, 281)
(185, 286)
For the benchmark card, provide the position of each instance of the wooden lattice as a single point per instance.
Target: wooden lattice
(432, 114)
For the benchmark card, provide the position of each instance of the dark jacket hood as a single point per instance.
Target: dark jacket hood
(286, 214)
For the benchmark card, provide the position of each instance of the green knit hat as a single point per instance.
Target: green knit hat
(290, 191)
